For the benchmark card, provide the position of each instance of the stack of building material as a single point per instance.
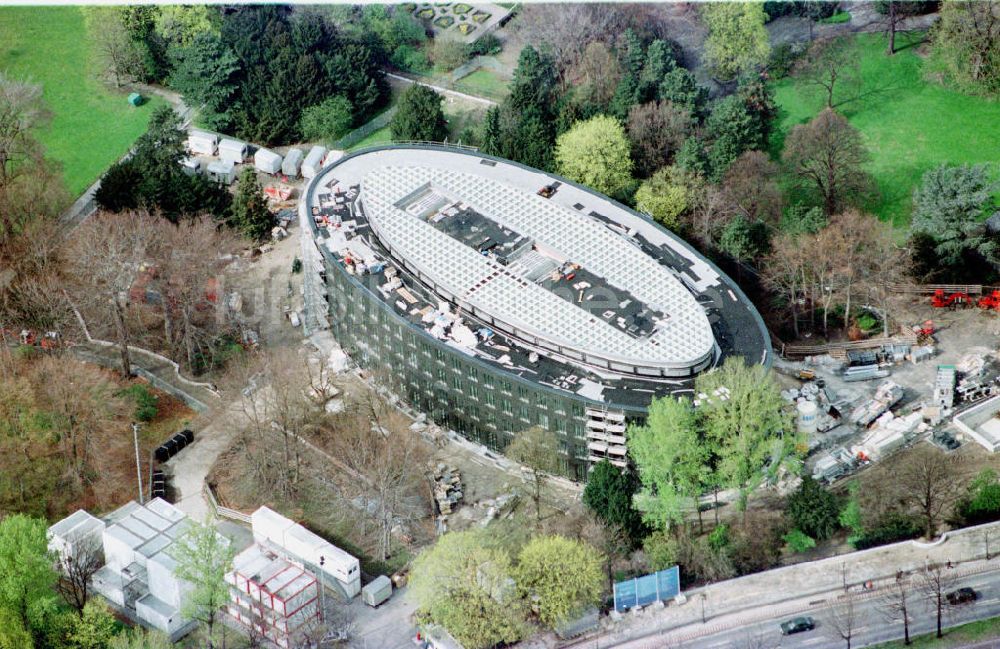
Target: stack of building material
(889, 434)
(886, 396)
(944, 386)
(971, 365)
(447, 488)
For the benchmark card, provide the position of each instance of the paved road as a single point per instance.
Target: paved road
(872, 626)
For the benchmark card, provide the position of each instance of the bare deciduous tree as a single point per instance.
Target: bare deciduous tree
(832, 67)
(934, 582)
(21, 111)
(104, 261)
(896, 604)
(76, 572)
(926, 481)
(538, 450)
(374, 441)
(119, 55)
(845, 620)
(827, 156)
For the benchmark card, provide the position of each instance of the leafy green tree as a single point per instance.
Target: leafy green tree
(596, 153)
(524, 127)
(750, 431)
(538, 450)
(419, 116)
(732, 131)
(27, 577)
(563, 575)
(203, 558)
(671, 460)
(491, 135)
(251, 215)
(328, 121)
(813, 509)
(667, 195)
(660, 60)
(801, 219)
(95, 628)
(680, 86)
(205, 71)
(692, 156)
(395, 27)
(966, 45)
(981, 503)
(609, 494)
(948, 205)
(757, 95)
(140, 639)
(743, 239)
(464, 582)
(660, 550)
(181, 24)
(737, 40)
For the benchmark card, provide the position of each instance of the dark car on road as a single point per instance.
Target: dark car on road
(797, 625)
(961, 596)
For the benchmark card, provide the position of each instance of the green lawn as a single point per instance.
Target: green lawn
(91, 127)
(381, 136)
(483, 83)
(909, 124)
(958, 636)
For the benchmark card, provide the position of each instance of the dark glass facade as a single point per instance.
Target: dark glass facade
(480, 401)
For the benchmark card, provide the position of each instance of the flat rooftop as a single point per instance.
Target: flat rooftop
(402, 202)
(564, 289)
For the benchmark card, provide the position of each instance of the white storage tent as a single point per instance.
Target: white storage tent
(313, 162)
(292, 164)
(202, 143)
(267, 161)
(232, 151)
(221, 171)
(332, 156)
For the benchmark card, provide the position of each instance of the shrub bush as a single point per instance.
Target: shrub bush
(487, 45)
(145, 402)
(894, 527)
(799, 541)
(410, 58)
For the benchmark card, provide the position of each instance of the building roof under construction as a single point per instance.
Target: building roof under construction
(573, 289)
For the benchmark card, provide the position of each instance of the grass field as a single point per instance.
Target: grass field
(91, 127)
(381, 136)
(958, 636)
(837, 18)
(909, 124)
(483, 83)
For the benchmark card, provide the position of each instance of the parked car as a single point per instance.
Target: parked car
(961, 596)
(797, 625)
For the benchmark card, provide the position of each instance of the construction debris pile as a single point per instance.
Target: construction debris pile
(447, 488)
(824, 415)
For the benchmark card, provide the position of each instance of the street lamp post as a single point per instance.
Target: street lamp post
(138, 467)
(322, 587)
(703, 618)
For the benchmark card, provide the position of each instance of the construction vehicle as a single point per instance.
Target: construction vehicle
(940, 299)
(991, 301)
(924, 332)
(805, 375)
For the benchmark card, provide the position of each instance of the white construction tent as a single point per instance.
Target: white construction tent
(221, 171)
(313, 162)
(232, 151)
(267, 161)
(271, 529)
(202, 143)
(293, 163)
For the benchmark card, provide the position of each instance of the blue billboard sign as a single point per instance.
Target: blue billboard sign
(643, 591)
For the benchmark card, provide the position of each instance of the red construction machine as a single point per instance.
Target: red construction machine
(991, 301)
(940, 299)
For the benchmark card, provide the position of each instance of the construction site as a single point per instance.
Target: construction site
(936, 382)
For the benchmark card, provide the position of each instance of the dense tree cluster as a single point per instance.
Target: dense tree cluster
(966, 45)
(485, 594)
